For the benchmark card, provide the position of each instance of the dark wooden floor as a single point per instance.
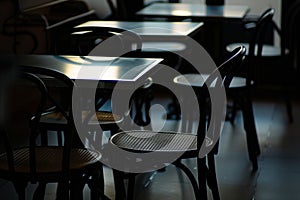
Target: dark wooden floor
(278, 176)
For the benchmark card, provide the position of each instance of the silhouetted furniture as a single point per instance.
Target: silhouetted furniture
(32, 22)
(82, 41)
(130, 74)
(172, 147)
(194, 11)
(159, 38)
(241, 94)
(270, 59)
(213, 15)
(70, 166)
(113, 41)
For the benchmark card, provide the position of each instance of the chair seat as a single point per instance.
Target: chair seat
(268, 50)
(99, 118)
(197, 80)
(49, 159)
(149, 141)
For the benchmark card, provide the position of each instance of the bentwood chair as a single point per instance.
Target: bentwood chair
(172, 147)
(102, 41)
(242, 86)
(108, 41)
(83, 41)
(267, 59)
(71, 166)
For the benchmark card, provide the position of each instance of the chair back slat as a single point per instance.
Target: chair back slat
(66, 112)
(258, 37)
(290, 39)
(86, 41)
(33, 102)
(228, 69)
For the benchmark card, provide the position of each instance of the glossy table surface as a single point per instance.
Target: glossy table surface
(156, 35)
(109, 70)
(151, 28)
(194, 10)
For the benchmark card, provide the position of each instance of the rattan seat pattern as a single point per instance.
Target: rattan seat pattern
(100, 117)
(49, 159)
(149, 141)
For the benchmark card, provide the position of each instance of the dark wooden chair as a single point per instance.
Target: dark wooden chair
(241, 90)
(83, 41)
(71, 166)
(269, 59)
(116, 42)
(172, 147)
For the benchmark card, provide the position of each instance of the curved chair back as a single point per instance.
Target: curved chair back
(109, 41)
(25, 159)
(229, 68)
(17, 112)
(257, 39)
(290, 37)
(60, 104)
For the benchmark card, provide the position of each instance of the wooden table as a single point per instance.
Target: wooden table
(155, 34)
(106, 70)
(215, 15)
(195, 11)
(102, 74)
(151, 28)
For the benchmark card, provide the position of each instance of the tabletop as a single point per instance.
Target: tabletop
(194, 10)
(151, 28)
(156, 35)
(105, 70)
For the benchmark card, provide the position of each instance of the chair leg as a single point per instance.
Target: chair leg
(59, 138)
(289, 110)
(212, 177)
(233, 112)
(62, 190)
(202, 173)
(288, 104)
(147, 103)
(250, 128)
(173, 110)
(76, 187)
(44, 137)
(20, 188)
(39, 193)
(131, 186)
(96, 184)
(119, 185)
(138, 104)
(191, 177)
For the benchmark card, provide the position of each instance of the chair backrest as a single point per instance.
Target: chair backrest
(126, 9)
(258, 37)
(290, 35)
(26, 97)
(112, 9)
(57, 79)
(228, 69)
(54, 78)
(84, 40)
